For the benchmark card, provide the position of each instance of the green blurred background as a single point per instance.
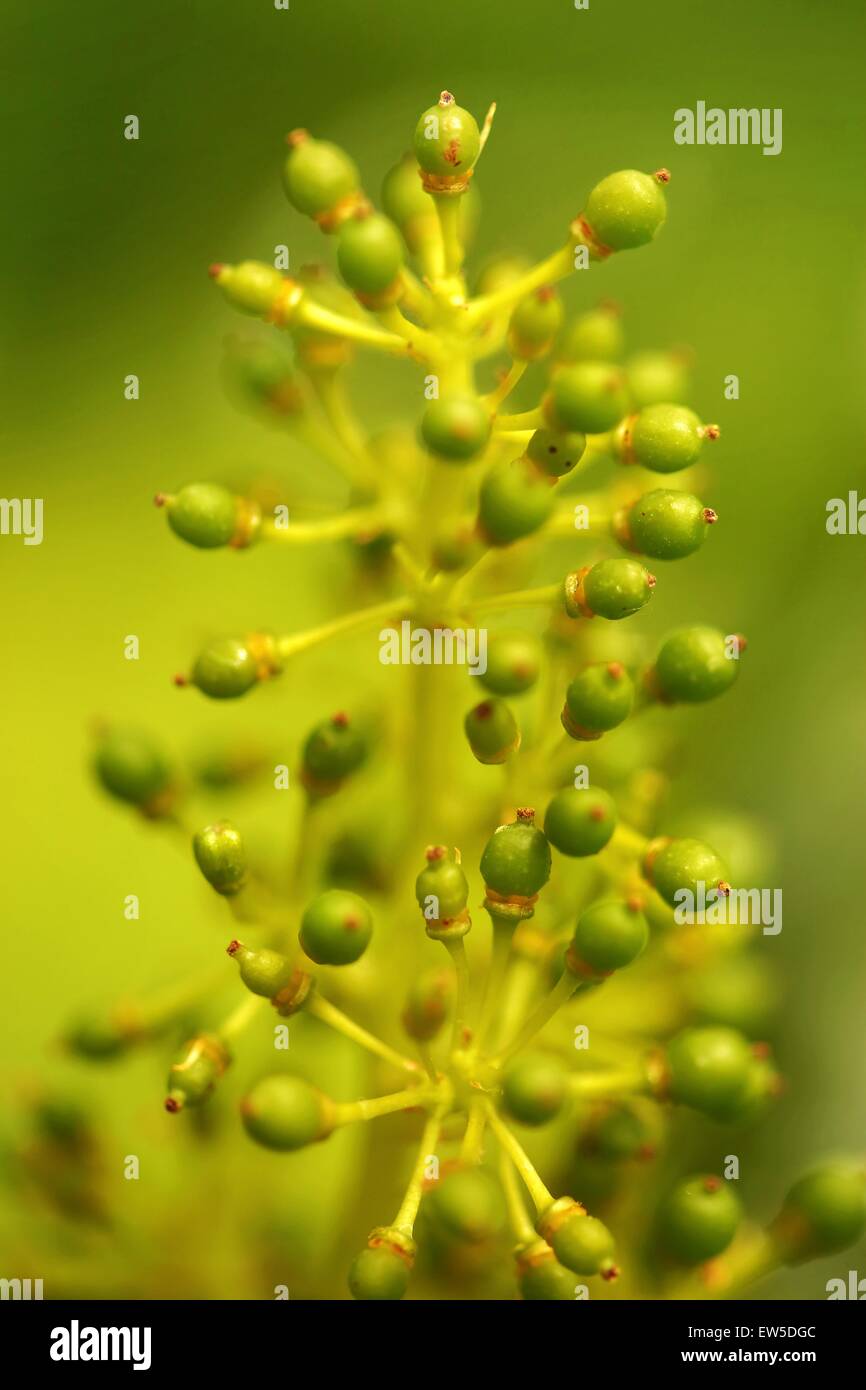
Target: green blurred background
(105, 246)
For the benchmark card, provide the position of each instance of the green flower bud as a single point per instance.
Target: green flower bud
(598, 699)
(608, 936)
(534, 324)
(219, 853)
(284, 1112)
(456, 545)
(555, 453)
(318, 176)
(427, 1004)
(208, 516)
(700, 1219)
(618, 1133)
(225, 670)
(99, 1038)
(442, 888)
(541, 1276)
(823, 1213)
(656, 377)
(612, 589)
(197, 1070)
(582, 1243)
(469, 1204)
(456, 428)
(664, 524)
(763, 1084)
(62, 1121)
(336, 928)
(677, 866)
(515, 864)
(589, 397)
(492, 731)
(264, 972)
(253, 286)
(333, 751)
(708, 1069)
(133, 768)
(447, 143)
(533, 1088)
(370, 257)
(381, 1271)
(580, 821)
(513, 663)
(626, 209)
(696, 664)
(515, 500)
(595, 336)
(665, 438)
(263, 373)
(408, 206)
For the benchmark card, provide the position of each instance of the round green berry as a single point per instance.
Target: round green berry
(195, 1072)
(582, 1243)
(696, 664)
(427, 1004)
(317, 175)
(513, 663)
(708, 1069)
(666, 525)
(619, 1133)
(580, 821)
(369, 254)
(516, 858)
(610, 935)
(447, 140)
(666, 438)
(336, 928)
(285, 1112)
(132, 767)
(204, 514)
(700, 1219)
(534, 324)
(333, 750)
(541, 1276)
(595, 336)
(407, 204)
(515, 500)
(823, 1213)
(627, 209)
(656, 377)
(469, 1204)
(533, 1088)
(264, 972)
(677, 868)
(264, 375)
(219, 853)
(456, 428)
(589, 397)
(442, 888)
(492, 731)
(379, 1273)
(225, 670)
(555, 453)
(616, 589)
(598, 699)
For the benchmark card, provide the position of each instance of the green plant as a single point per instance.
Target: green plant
(438, 545)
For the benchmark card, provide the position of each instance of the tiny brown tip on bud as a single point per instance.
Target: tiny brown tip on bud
(663, 175)
(710, 517)
(180, 680)
(761, 1050)
(742, 642)
(651, 581)
(434, 852)
(724, 887)
(712, 1184)
(232, 947)
(545, 293)
(615, 670)
(596, 813)
(611, 306)
(350, 922)
(610, 1273)
(484, 710)
(634, 903)
(526, 813)
(297, 137)
(215, 269)
(446, 99)
(711, 431)
(160, 499)
(340, 720)
(172, 1106)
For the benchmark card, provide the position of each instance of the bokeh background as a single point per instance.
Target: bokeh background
(105, 243)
